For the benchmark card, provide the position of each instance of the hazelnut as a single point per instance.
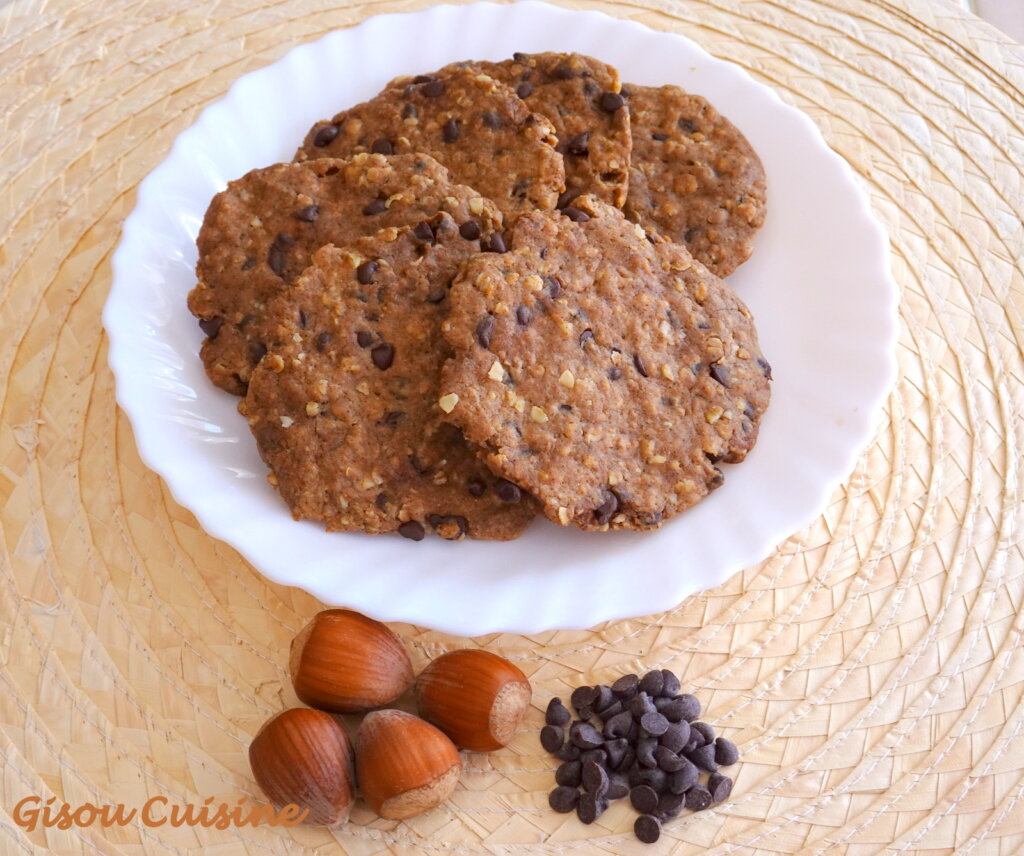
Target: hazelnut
(475, 697)
(304, 757)
(406, 766)
(344, 662)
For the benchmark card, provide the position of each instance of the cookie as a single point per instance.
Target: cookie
(344, 405)
(694, 177)
(260, 233)
(580, 96)
(475, 126)
(605, 373)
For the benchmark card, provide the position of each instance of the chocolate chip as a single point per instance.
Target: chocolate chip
(688, 126)
(615, 751)
(705, 730)
(644, 799)
(412, 529)
(618, 725)
(562, 72)
(382, 147)
(720, 373)
(383, 356)
(569, 752)
(376, 206)
(257, 351)
(364, 338)
(654, 724)
(598, 756)
(249, 263)
(523, 315)
(668, 760)
(583, 697)
(491, 119)
(392, 418)
(590, 807)
(478, 488)
(604, 699)
(470, 230)
(645, 752)
(628, 685)
(594, 778)
(484, 331)
(211, 326)
(653, 682)
(704, 757)
(726, 753)
(524, 89)
(719, 787)
(508, 492)
(612, 101)
(308, 213)
(579, 146)
(553, 285)
(409, 111)
(641, 366)
(325, 136)
(451, 131)
(689, 236)
(586, 336)
(659, 137)
(563, 799)
(670, 686)
(557, 713)
(647, 828)
(323, 340)
(640, 705)
(651, 776)
(684, 778)
(432, 89)
(606, 510)
(366, 272)
(275, 258)
(670, 805)
(698, 798)
(676, 736)
(569, 774)
(584, 735)
(765, 367)
(691, 706)
(577, 215)
(381, 501)
(749, 411)
(494, 243)
(423, 231)
(617, 788)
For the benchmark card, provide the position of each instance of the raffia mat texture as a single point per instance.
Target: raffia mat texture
(872, 670)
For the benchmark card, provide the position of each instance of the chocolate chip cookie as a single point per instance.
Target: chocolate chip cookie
(477, 127)
(604, 372)
(580, 96)
(260, 233)
(344, 404)
(694, 177)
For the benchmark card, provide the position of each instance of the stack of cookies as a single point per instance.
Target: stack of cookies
(492, 292)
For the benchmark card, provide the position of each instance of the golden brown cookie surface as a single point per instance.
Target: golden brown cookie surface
(604, 373)
(694, 177)
(344, 404)
(260, 233)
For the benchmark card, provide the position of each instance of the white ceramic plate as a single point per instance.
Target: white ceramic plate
(818, 283)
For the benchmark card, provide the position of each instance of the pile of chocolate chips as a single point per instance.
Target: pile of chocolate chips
(638, 737)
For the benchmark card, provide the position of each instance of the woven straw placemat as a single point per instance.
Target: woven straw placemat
(871, 670)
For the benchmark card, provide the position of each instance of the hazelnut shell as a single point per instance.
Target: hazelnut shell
(475, 697)
(304, 757)
(406, 766)
(345, 662)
